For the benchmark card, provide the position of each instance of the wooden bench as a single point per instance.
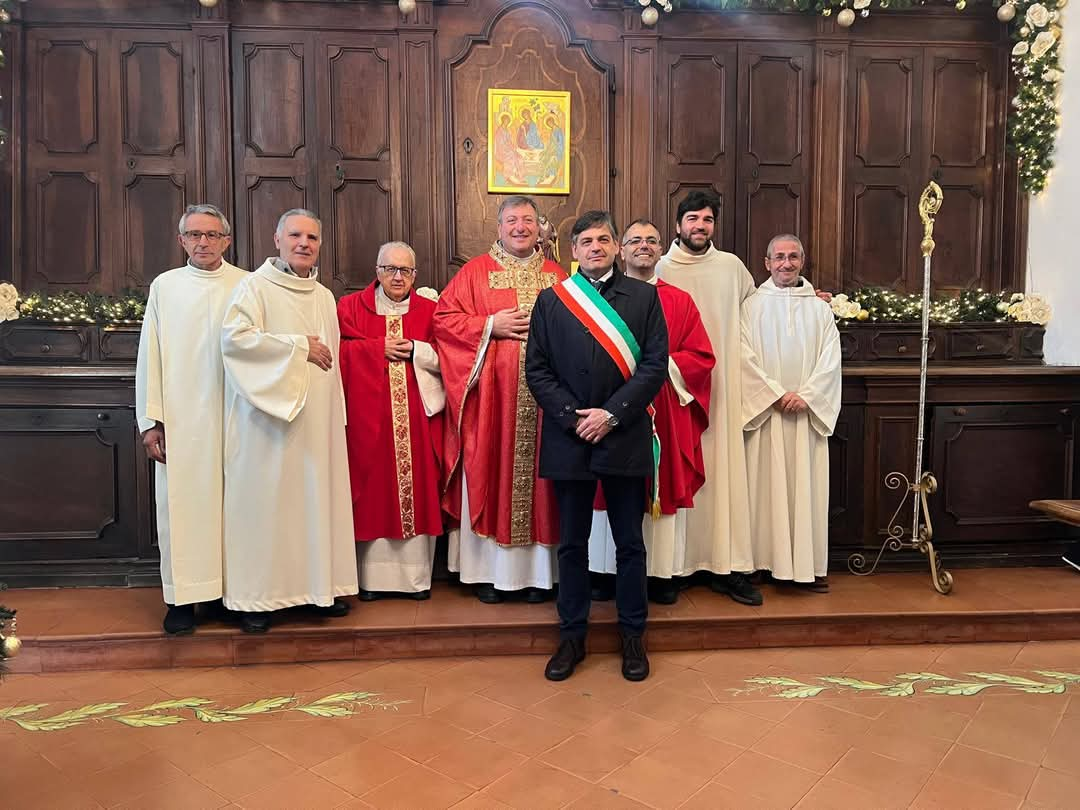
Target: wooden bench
(1065, 511)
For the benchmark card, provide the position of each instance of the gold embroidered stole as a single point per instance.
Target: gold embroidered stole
(527, 278)
(399, 410)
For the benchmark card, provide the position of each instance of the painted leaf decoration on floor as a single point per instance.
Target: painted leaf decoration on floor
(325, 711)
(855, 683)
(803, 692)
(899, 690)
(960, 688)
(261, 706)
(343, 697)
(19, 711)
(922, 676)
(148, 720)
(215, 716)
(1060, 676)
(180, 703)
(995, 677)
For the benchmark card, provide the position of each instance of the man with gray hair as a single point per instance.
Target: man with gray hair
(394, 400)
(506, 518)
(288, 510)
(179, 394)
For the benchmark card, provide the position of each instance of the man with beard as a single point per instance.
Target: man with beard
(718, 527)
(506, 521)
(682, 414)
(597, 357)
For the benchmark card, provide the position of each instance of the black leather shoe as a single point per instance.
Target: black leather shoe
(663, 591)
(738, 587)
(571, 652)
(179, 620)
(368, 596)
(488, 595)
(255, 622)
(335, 611)
(420, 596)
(537, 596)
(635, 664)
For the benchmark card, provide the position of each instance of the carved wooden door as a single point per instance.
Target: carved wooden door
(527, 48)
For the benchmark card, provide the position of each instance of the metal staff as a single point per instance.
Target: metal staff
(923, 483)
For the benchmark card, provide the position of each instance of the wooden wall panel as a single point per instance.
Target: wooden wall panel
(357, 154)
(270, 140)
(774, 155)
(796, 124)
(153, 205)
(697, 101)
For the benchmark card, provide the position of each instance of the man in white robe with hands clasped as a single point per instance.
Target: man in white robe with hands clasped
(179, 400)
(791, 400)
(288, 506)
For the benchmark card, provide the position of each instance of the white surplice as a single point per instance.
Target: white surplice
(391, 564)
(790, 344)
(718, 527)
(180, 381)
(288, 508)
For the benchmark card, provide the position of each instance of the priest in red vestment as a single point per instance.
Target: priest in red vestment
(394, 400)
(505, 520)
(682, 414)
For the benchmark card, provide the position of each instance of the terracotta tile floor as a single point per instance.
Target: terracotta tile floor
(492, 733)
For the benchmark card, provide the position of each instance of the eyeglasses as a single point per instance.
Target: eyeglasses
(391, 270)
(211, 236)
(634, 242)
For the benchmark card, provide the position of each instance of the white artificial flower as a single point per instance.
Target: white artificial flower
(1043, 42)
(427, 292)
(1020, 48)
(1002, 306)
(840, 297)
(1017, 297)
(1039, 313)
(1037, 15)
(9, 313)
(861, 4)
(8, 295)
(1051, 75)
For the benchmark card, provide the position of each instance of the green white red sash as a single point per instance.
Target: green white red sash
(609, 330)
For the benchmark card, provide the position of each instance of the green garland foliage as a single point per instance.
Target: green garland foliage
(75, 307)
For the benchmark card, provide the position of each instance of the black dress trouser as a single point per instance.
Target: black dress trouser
(625, 498)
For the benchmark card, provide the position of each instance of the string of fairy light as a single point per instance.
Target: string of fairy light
(970, 306)
(83, 308)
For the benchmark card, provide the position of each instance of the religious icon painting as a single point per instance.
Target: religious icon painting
(528, 141)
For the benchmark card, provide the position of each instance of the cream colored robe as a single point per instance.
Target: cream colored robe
(718, 527)
(180, 382)
(288, 508)
(790, 343)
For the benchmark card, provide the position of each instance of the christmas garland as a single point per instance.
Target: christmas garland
(970, 306)
(1036, 33)
(72, 307)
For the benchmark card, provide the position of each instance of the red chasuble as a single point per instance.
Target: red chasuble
(492, 408)
(682, 468)
(393, 445)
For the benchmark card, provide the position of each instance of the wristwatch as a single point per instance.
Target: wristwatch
(612, 420)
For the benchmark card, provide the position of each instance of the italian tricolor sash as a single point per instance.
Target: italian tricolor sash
(612, 333)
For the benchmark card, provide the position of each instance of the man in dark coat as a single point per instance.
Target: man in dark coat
(596, 358)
